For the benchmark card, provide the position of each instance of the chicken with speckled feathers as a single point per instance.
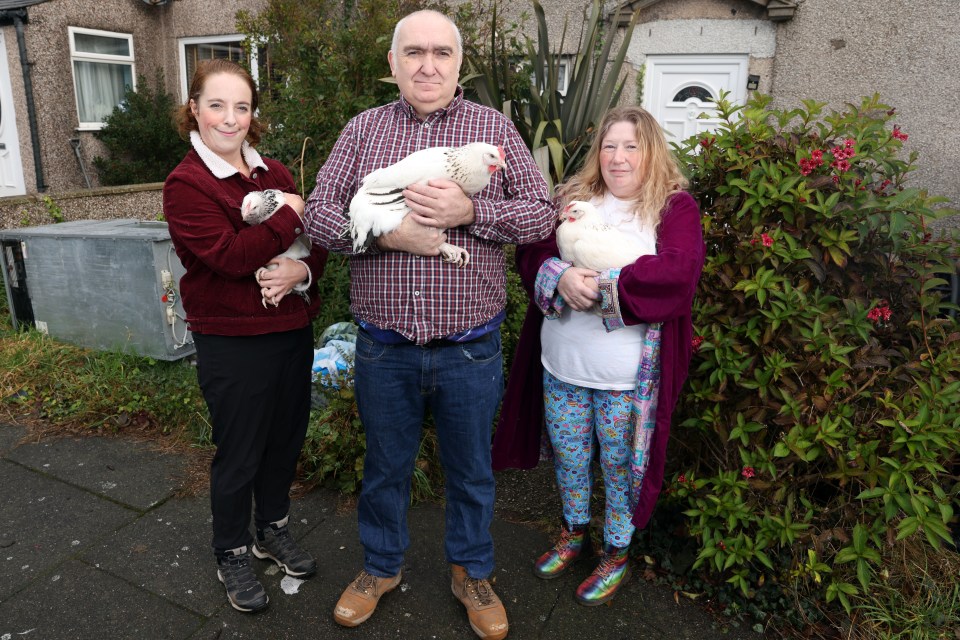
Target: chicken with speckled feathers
(379, 206)
(258, 206)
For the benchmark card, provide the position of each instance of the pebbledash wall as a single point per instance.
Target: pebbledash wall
(833, 51)
(140, 201)
(830, 50)
(156, 31)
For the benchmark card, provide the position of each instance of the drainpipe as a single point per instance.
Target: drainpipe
(19, 17)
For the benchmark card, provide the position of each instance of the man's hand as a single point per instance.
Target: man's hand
(439, 203)
(579, 288)
(413, 237)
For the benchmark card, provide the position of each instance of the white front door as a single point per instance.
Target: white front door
(11, 170)
(680, 88)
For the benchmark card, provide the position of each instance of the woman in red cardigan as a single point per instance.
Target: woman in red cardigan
(612, 378)
(253, 359)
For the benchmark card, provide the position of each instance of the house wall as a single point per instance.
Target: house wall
(908, 51)
(835, 51)
(155, 31)
(831, 50)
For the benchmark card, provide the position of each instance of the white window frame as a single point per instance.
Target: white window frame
(564, 66)
(183, 43)
(83, 56)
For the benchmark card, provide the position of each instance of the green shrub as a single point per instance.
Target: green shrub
(140, 137)
(820, 421)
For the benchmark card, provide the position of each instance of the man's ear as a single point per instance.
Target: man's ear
(393, 70)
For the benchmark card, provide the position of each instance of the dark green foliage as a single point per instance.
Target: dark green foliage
(819, 423)
(140, 137)
(335, 444)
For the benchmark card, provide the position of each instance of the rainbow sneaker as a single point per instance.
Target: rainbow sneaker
(568, 549)
(606, 579)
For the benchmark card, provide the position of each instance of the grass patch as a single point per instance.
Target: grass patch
(44, 380)
(59, 388)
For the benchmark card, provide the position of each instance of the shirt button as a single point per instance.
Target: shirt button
(416, 293)
(297, 230)
(253, 175)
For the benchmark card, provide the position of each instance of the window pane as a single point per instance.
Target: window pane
(89, 43)
(100, 88)
(700, 93)
(209, 51)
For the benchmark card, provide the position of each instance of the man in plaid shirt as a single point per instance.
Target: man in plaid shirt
(429, 334)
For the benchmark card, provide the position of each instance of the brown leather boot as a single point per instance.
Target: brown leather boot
(488, 618)
(359, 600)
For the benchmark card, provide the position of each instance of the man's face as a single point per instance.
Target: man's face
(427, 63)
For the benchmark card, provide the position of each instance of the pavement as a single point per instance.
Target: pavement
(96, 542)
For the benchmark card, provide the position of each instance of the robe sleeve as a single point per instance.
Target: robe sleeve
(657, 288)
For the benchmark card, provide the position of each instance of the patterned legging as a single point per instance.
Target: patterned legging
(573, 414)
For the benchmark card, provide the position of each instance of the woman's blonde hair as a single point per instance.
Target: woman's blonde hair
(658, 170)
(186, 122)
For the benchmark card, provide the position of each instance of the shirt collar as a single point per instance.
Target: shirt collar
(439, 113)
(220, 167)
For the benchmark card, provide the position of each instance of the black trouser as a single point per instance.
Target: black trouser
(258, 391)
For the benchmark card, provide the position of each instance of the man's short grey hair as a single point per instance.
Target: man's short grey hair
(456, 31)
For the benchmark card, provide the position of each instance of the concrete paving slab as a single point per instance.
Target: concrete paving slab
(10, 435)
(104, 465)
(641, 611)
(80, 602)
(44, 522)
(167, 552)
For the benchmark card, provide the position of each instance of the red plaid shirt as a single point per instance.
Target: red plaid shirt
(423, 298)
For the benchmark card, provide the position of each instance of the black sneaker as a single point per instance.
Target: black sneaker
(275, 543)
(244, 591)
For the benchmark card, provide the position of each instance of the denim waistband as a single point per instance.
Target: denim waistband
(389, 336)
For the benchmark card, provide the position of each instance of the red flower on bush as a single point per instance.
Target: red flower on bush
(681, 478)
(899, 135)
(807, 165)
(696, 342)
(880, 315)
(767, 240)
(722, 546)
(748, 472)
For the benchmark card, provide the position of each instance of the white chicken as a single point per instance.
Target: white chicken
(258, 206)
(586, 241)
(379, 207)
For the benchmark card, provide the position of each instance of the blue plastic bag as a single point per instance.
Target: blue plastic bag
(333, 361)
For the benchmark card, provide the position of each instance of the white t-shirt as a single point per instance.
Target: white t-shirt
(576, 348)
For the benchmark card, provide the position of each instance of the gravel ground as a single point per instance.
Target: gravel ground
(529, 496)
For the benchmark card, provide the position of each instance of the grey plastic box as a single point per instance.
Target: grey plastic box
(98, 284)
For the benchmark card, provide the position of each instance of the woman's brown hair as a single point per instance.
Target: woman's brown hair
(186, 122)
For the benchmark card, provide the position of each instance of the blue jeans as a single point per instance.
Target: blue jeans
(462, 385)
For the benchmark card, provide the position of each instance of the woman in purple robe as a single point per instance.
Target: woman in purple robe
(603, 354)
